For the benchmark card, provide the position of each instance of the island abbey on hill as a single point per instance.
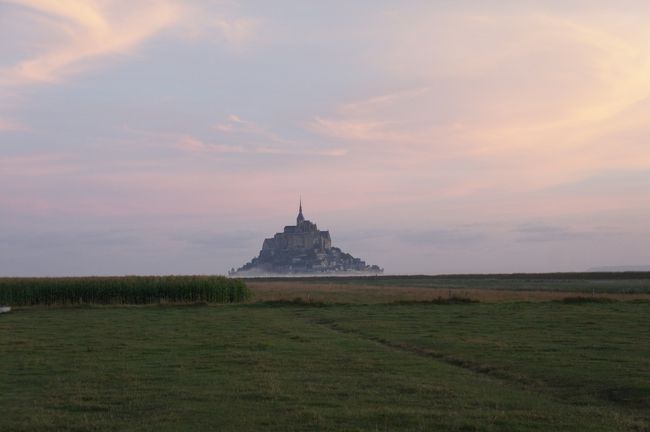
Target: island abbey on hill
(303, 249)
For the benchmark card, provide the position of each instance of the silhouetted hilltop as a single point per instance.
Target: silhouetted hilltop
(303, 249)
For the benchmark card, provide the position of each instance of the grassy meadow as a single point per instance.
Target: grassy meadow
(485, 288)
(337, 359)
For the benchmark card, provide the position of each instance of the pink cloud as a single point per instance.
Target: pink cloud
(237, 125)
(357, 130)
(92, 29)
(7, 125)
(89, 29)
(545, 105)
(37, 165)
(277, 144)
(194, 145)
(238, 32)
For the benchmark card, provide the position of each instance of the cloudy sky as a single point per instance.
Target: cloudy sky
(172, 136)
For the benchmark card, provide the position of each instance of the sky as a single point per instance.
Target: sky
(173, 136)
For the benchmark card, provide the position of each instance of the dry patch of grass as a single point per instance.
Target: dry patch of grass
(372, 294)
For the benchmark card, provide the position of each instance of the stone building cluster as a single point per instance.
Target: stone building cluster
(303, 249)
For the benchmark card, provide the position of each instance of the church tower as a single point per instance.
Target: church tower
(300, 219)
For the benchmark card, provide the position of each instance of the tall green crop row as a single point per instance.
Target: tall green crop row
(121, 290)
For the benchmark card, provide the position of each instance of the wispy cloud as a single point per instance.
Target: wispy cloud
(222, 240)
(527, 101)
(238, 32)
(554, 233)
(441, 237)
(251, 133)
(356, 130)
(88, 29)
(7, 125)
(82, 31)
(37, 165)
(71, 238)
(193, 145)
(234, 124)
(376, 119)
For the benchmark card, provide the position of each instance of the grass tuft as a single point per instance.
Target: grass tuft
(583, 299)
(298, 301)
(438, 301)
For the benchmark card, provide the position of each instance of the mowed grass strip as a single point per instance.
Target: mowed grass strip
(586, 353)
(121, 290)
(250, 368)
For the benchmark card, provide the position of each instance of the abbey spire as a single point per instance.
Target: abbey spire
(300, 219)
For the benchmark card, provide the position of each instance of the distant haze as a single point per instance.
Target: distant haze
(169, 136)
(621, 269)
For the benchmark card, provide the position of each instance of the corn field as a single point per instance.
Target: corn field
(121, 290)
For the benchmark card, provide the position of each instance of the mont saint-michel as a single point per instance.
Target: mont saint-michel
(303, 249)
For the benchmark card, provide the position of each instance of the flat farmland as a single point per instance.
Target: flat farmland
(485, 288)
(336, 363)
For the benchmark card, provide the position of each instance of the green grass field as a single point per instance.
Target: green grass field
(283, 366)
